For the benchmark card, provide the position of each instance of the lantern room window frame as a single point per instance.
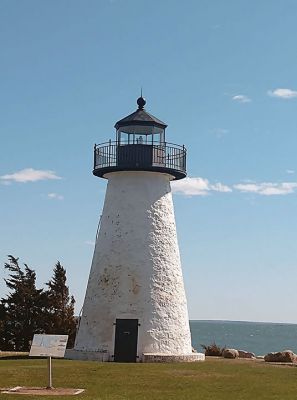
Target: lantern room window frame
(136, 134)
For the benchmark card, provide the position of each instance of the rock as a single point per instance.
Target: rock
(230, 353)
(286, 356)
(245, 354)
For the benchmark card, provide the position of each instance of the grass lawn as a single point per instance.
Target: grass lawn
(213, 379)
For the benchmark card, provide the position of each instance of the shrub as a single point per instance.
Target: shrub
(213, 349)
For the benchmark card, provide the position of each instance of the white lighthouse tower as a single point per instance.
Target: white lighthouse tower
(135, 307)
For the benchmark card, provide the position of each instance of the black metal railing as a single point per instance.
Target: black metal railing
(140, 156)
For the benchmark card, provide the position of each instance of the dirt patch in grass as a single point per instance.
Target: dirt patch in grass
(41, 391)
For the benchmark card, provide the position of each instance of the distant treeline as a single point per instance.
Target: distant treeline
(28, 310)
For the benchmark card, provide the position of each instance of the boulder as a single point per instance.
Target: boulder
(245, 354)
(286, 356)
(230, 353)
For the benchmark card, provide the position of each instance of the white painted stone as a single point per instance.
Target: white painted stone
(136, 271)
(169, 358)
(73, 354)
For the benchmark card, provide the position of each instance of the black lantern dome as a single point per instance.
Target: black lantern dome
(140, 146)
(140, 118)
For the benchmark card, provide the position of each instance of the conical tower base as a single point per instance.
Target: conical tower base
(135, 304)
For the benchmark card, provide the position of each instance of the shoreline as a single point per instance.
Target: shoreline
(242, 321)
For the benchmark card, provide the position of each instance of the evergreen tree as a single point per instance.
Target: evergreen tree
(2, 326)
(60, 319)
(24, 308)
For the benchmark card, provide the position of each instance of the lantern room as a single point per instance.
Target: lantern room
(140, 145)
(140, 128)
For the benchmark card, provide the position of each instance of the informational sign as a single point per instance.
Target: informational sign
(48, 346)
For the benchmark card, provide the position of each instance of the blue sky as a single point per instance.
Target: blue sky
(222, 74)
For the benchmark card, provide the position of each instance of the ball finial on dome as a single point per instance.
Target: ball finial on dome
(141, 103)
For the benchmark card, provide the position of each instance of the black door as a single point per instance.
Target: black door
(125, 347)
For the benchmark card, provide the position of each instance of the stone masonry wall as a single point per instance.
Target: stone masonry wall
(136, 271)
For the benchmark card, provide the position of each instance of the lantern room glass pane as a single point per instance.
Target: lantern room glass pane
(141, 129)
(140, 135)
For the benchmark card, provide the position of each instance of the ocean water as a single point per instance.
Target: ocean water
(257, 337)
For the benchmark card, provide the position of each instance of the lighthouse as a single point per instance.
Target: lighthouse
(135, 306)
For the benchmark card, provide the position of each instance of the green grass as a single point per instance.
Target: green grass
(215, 379)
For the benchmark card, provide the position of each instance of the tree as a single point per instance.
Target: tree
(60, 312)
(2, 326)
(28, 310)
(24, 308)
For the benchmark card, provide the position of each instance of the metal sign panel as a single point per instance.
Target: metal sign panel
(48, 346)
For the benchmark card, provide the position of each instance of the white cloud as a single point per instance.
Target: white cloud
(90, 242)
(290, 171)
(217, 26)
(197, 187)
(219, 132)
(220, 187)
(241, 98)
(283, 93)
(202, 187)
(29, 175)
(55, 196)
(267, 188)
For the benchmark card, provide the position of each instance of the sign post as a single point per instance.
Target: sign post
(49, 369)
(49, 346)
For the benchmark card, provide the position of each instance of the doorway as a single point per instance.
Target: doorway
(126, 335)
